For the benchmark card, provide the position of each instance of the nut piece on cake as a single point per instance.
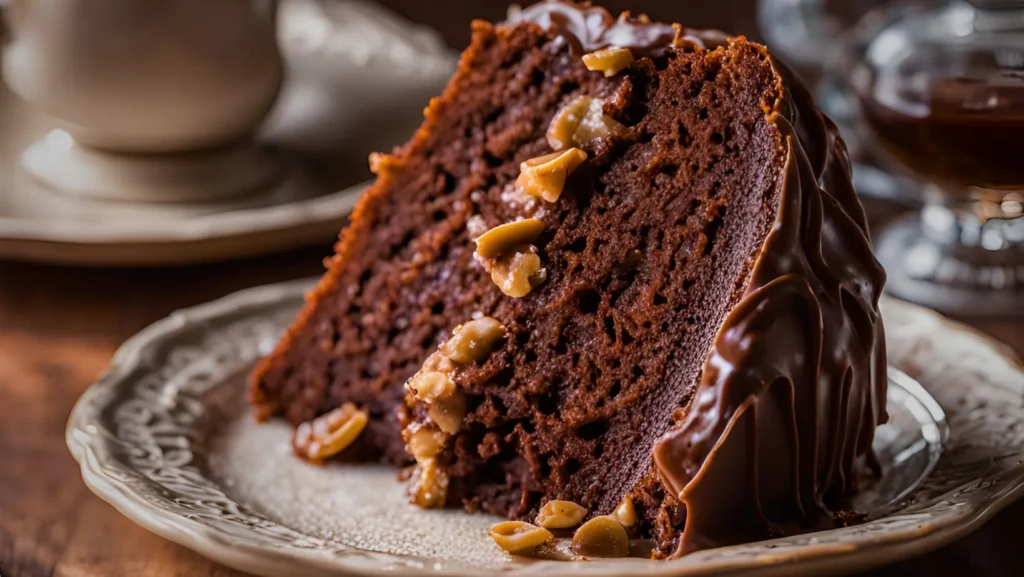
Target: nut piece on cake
(432, 382)
(545, 176)
(512, 262)
(330, 433)
(518, 274)
(611, 61)
(581, 122)
(425, 442)
(473, 342)
(430, 488)
(504, 238)
(433, 387)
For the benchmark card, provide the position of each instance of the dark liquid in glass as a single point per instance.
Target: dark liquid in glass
(968, 131)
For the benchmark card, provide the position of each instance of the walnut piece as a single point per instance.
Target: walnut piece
(430, 384)
(502, 239)
(448, 412)
(545, 176)
(518, 537)
(424, 442)
(518, 274)
(473, 341)
(430, 490)
(329, 434)
(581, 122)
(433, 385)
(611, 60)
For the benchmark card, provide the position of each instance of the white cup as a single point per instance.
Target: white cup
(137, 84)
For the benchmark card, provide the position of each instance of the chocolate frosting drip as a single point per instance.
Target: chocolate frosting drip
(779, 431)
(589, 29)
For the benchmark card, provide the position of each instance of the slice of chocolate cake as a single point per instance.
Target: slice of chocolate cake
(621, 264)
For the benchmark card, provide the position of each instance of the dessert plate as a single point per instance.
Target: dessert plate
(165, 437)
(358, 78)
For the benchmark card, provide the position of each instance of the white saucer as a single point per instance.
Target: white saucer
(165, 436)
(358, 78)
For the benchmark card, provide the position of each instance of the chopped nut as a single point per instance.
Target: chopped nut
(545, 176)
(425, 443)
(430, 490)
(601, 537)
(502, 239)
(473, 341)
(448, 412)
(625, 513)
(611, 61)
(560, 515)
(430, 385)
(329, 434)
(433, 385)
(518, 275)
(581, 122)
(518, 537)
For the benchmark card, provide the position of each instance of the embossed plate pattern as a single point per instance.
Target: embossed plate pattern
(165, 438)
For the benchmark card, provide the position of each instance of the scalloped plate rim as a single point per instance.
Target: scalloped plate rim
(233, 552)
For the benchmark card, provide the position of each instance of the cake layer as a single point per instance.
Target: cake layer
(646, 251)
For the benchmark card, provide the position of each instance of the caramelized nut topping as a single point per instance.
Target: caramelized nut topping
(518, 275)
(518, 537)
(425, 443)
(329, 434)
(611, 61)
(581, 122)
(502, 239)
(601, 537)
(473, 341)
(438, 362)
(625, 513)
(448, 412)
(545, 176)
(560, 515)
(431, 385)
(431, 488)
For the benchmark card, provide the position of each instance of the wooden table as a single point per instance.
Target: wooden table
(59, 327)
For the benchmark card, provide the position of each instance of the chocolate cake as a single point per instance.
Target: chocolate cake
(621, 264)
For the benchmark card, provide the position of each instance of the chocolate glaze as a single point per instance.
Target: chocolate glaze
(778, 434)
(593, 28)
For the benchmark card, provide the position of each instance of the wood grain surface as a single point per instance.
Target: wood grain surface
(59, 327)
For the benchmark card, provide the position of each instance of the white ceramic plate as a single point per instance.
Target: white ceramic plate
(165, 437)
(358, 78)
